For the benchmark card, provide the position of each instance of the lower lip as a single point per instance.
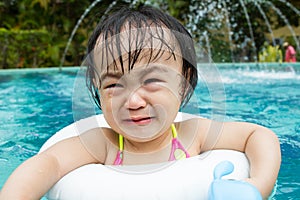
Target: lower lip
(141, 122)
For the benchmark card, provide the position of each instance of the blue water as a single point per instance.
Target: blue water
(37, 103)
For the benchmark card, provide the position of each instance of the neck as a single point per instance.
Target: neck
(151, 146)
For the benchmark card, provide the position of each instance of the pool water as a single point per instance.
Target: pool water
(37, 103)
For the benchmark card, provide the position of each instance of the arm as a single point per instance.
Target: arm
(263, 152)
(260, 144)
(33, 178)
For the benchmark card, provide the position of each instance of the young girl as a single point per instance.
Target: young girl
(141, 68)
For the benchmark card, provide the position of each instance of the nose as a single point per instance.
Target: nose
(136, 100)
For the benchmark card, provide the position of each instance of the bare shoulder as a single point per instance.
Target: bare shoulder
(192, 133)
(90, 146)
(98, 141)
(196, 126)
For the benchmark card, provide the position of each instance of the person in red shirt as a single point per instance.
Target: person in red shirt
(290, 53)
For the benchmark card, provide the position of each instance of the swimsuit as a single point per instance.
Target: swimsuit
(177, 151)
(290, 54)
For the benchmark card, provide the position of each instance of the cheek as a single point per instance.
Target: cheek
(106, 105)
(107, 110)
(173, 92)
(167, 102)
(111, 105)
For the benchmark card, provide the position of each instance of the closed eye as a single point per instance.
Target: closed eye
(152, 80)
(114, 85)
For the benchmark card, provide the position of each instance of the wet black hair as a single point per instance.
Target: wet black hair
(140, 19)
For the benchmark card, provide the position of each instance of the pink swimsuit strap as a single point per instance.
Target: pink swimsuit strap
(177, 152)
(119, 158)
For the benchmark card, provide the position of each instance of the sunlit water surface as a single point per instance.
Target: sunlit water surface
(37, 103)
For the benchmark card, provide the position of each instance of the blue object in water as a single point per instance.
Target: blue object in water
(222, 189)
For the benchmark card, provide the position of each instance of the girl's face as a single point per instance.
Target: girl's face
(142, 103)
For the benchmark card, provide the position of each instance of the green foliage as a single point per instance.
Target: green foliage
(24, 48)
(34, 33)
(269, 53)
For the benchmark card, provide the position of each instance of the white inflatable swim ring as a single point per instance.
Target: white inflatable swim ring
(184, 179)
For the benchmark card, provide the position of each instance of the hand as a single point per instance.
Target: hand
(222, 189)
